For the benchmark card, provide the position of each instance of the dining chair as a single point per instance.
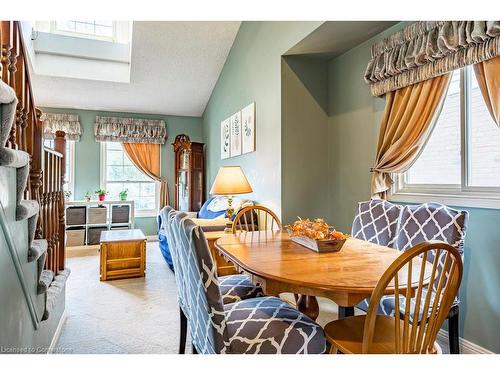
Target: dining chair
(415, 331)
(257, 325)
(434, 222)
(253, 218)
(376, 221)
(233, 287)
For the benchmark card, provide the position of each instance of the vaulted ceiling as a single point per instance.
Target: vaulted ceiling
(174, 68)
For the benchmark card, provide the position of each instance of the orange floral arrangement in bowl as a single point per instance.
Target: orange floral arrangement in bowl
(316, 235)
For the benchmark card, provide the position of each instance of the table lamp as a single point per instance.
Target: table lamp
(230, 181)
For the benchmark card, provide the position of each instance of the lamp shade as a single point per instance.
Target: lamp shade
(230, 181)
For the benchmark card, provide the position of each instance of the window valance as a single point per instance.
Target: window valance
(427, 49)
(68, 123)
(129, 130)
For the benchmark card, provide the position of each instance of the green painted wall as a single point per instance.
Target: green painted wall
(353, 129)
(304, 141)
(87, 152)
(17, 331)
(252, 73)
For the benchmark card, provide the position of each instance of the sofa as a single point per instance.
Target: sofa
(211, 217)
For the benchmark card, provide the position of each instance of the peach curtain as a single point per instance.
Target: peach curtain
(409, 118)
(146, 157)
(488, 77)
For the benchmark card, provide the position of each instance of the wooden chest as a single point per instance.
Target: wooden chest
(123, 254)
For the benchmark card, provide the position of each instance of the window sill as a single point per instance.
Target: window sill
(462, 199)
(145, 214)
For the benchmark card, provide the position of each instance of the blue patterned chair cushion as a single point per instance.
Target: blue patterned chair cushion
(387, 305)
(208, 318)
(235, 288)
(167, 214)
(426, 222)
(376, 221)
(268, 325)
(431, 221)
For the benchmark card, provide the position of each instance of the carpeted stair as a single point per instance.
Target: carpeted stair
(48, 284)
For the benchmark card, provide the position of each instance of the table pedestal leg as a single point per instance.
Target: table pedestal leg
(308, 305)
(345, 312)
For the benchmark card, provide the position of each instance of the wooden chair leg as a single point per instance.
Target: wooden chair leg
(345, 312)
(453, 333)
(334, 349)
(183, 330)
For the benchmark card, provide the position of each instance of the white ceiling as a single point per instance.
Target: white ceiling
(333, 38)
(174, 68)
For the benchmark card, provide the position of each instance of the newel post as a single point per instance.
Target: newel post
(60, 146)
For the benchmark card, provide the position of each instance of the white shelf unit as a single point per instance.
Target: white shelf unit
(108, 223)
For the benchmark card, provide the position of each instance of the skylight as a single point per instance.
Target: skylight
(85, 28)
(83, 49)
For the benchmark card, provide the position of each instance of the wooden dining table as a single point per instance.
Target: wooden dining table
(279, 265)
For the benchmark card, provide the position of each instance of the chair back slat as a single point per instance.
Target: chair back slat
(397, 316)
(416, 330)
(260, 217)
(406, 324)
(418, 299)
(427, 301)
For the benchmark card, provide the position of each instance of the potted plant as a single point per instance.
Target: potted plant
(101, 194)
(123, 195)
(88, 196)
(67, 194)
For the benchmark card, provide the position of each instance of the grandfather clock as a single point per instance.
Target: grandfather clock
(189, 174)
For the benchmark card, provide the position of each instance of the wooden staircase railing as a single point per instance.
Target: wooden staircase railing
(47, 166)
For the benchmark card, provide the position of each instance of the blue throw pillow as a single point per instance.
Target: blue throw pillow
(206, 214)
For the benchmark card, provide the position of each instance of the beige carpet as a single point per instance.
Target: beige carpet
(132, 315)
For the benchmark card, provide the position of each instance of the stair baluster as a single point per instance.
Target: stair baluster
(47, 175)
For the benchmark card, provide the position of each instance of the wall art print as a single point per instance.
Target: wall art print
(248, 129)
(225, 139)
(236, 134)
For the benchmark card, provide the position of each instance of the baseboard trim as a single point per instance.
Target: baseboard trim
(57, 333)
(466, 347)
(152, 238)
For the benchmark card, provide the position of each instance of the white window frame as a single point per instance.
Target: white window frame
(55, 30)
(458, 195)
(103, 183)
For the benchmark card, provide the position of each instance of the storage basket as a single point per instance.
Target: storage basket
(75, 236)
(75, 215)
(94, 235)
(120, 214)
(97, 215)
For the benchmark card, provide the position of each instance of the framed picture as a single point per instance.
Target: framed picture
(248, 129)
(236, 134)
(225, 139)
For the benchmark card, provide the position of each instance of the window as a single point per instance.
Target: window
(460, 164)
(118, 173)
(69, 183)
(87, 29)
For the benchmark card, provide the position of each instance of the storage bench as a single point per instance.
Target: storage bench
(123, 254)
